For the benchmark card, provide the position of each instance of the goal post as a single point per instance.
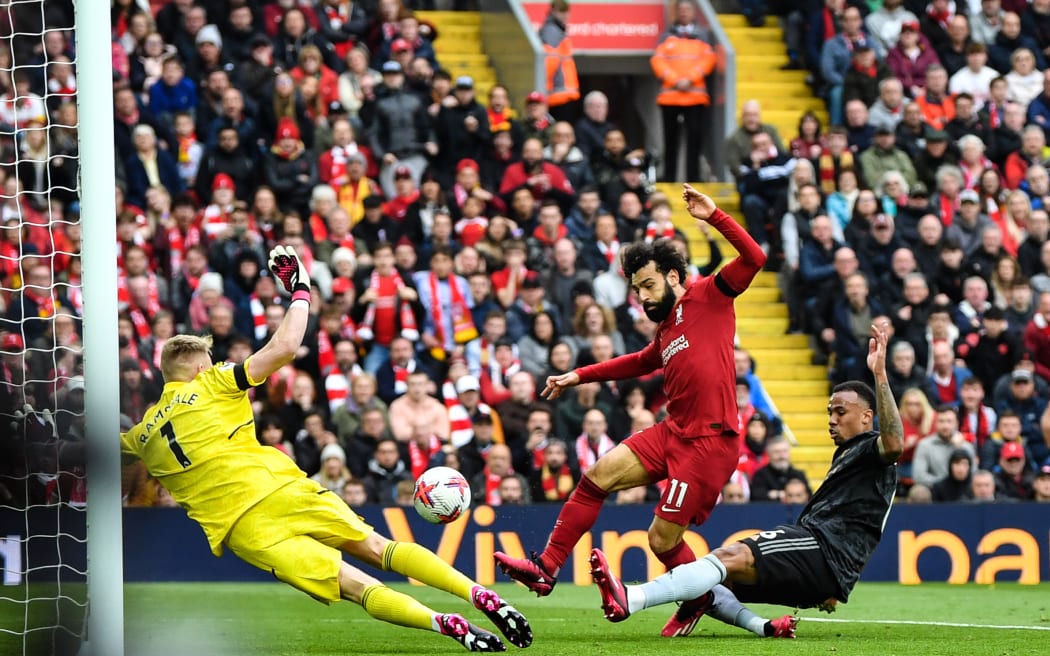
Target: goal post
(105, 571)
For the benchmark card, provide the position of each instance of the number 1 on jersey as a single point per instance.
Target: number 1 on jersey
(169, 434)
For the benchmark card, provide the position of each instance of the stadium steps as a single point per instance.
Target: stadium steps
(783, 95)
(799, 389)
(458, 48)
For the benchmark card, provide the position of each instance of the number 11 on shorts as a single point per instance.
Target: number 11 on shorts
(675, 495)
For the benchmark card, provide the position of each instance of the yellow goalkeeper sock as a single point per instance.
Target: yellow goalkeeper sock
(391, 606)
(424, 565)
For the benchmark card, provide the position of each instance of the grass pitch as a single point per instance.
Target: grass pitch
(235, 619)
(205, 619)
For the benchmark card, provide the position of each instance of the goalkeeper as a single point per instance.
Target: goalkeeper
(199, 442)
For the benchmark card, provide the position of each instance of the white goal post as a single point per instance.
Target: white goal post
(105, 552)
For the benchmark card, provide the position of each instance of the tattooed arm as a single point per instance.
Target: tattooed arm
(891, 431)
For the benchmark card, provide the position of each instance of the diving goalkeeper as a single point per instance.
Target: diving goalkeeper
(199, 442)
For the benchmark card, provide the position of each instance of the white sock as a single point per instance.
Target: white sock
(727, 608)
(682, 583)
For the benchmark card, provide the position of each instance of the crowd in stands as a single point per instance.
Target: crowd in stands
(461, 253)
(921, 208)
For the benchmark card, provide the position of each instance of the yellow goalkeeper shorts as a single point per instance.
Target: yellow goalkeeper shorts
(295, 533)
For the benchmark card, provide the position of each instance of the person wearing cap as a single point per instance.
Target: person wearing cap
(375, 227)
(538, 122)
(884, 156)
(402, 134)
(932, 455)
(681, 63)
(462, 129)
(969, 222)
(1041, 485)
(1013, 479)
(1023, 399)
(290, 169)
(467, 413)
(563, 83)
(406, 194)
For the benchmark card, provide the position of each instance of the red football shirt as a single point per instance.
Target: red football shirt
(694, 345)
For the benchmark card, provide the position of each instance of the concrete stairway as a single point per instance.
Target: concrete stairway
(458, 48)
(798, 388)
(783, 95)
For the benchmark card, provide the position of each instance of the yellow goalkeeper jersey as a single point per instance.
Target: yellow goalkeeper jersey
(199, 442)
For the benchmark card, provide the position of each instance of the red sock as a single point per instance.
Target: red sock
(577, 517)
(680, 554)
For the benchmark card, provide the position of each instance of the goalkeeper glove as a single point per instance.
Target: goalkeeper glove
(287, 267)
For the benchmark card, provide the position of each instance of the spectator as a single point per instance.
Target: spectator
(984, 487)
(796, 493)
(462, 129)
(768, 482)
(512, 491)
(835, 59)
(739, 144)
(1030, 407)
(934, 451)
(593, 442)
(991, 352)
(291, 169)
(945, 380)
(553, 480)
(150, 166)
(886, 23)
(957, 485)
(763, 175)
(1024, 81)
(1041, 485)
(333, 475)
(417, 407)
(402, 135)
(1013, 480)
(986, 21)
(485, 484)
(976, 77)
(682, 61)
(593, 125)
(977, 420)
(385, 471)
(563, 84)
(448, 326)
(1037, 336)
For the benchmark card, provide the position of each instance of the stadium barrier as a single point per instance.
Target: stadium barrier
(953, 543)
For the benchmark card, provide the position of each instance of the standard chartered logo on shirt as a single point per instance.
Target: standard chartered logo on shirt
(680, 343)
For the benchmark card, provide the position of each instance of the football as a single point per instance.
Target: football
(442, 494)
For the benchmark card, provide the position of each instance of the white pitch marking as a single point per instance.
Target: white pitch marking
(961, 625)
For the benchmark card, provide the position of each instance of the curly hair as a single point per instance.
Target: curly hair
(661, 252)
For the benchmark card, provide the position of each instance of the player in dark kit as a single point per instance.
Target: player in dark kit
(696, 448)
(815, 562)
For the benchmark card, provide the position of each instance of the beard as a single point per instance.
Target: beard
(660, 310)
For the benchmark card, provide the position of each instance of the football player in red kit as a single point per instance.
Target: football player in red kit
(696, 447)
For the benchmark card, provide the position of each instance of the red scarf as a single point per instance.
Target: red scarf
(499, 120)
(325, 354)
(829, 25)
(348, 329)
(75, 295)
(588, 455)
(318, 228)
(947, 210)
(419, 458)
(138, 318)
(124, 296)
(981, 431)
(994, 118)
(185, 143)
(401, 376)
(941, 17)
(609, 250)
(409, 330)
(463, 329)
(492, 487)
(556, 485)
(653, 232)
(45, 304)
(258, 317)
(867, 71)
(501, 375)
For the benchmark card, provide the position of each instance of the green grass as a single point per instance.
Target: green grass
(269, 618)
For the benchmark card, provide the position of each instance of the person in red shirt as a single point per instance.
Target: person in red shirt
(696, 448)
(543, 179)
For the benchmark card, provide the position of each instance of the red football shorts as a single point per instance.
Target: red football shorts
(696, 469)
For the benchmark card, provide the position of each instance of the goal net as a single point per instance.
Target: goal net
(42, 484)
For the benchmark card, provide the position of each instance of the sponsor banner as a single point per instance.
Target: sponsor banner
(627, 26)
(949, 542)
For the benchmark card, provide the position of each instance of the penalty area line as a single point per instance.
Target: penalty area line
(960, 625)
